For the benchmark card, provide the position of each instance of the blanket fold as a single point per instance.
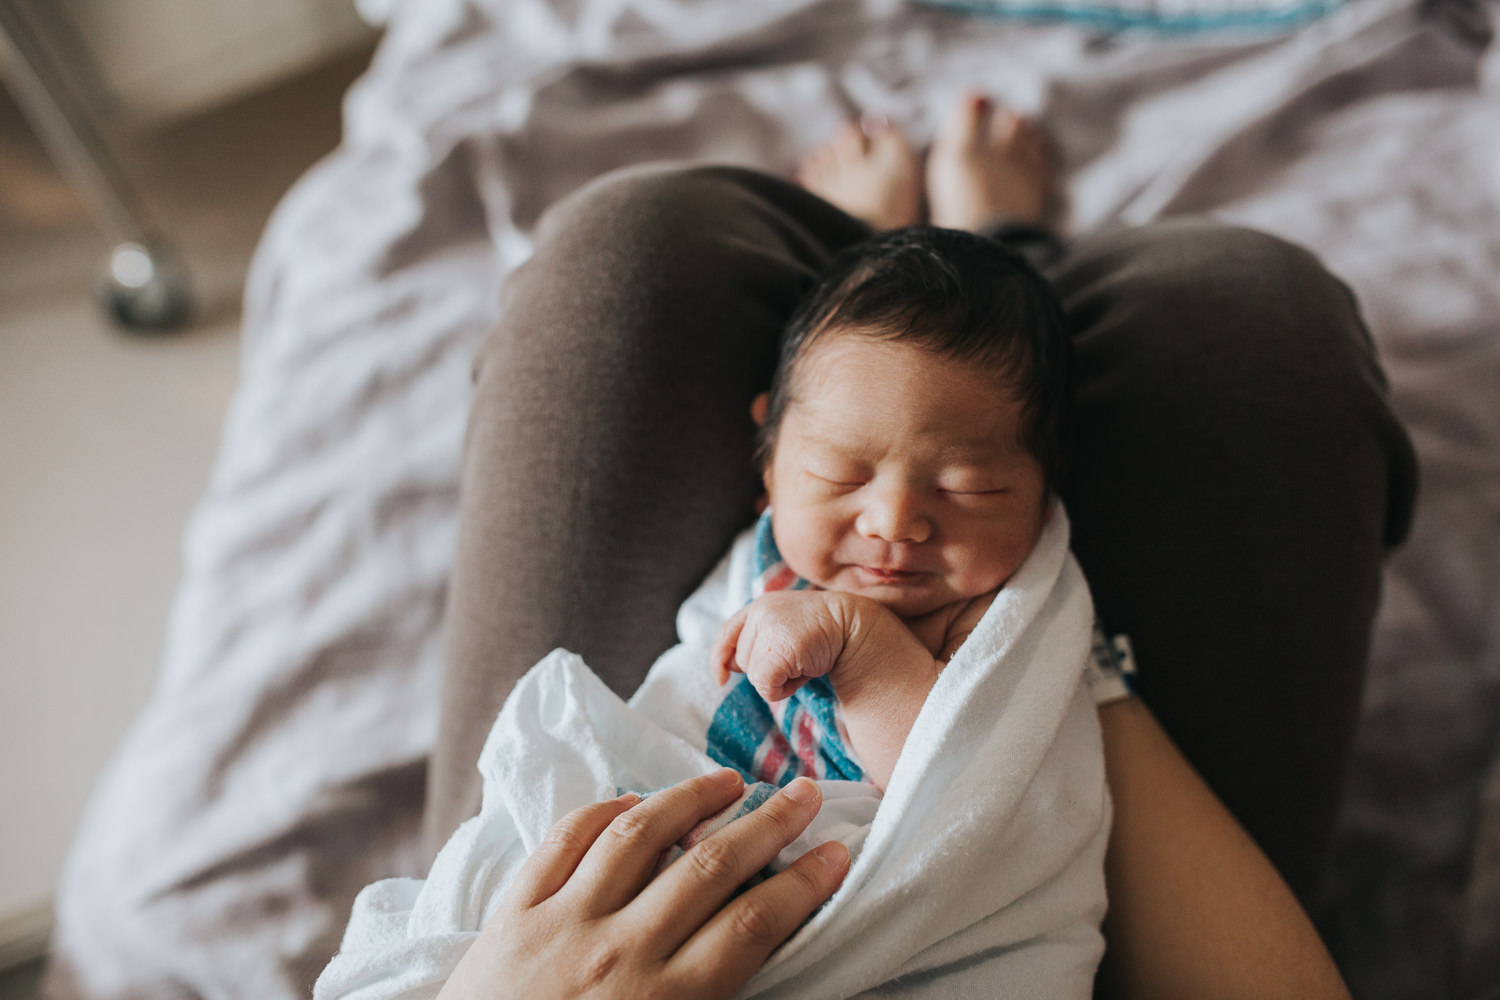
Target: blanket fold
(980, 871)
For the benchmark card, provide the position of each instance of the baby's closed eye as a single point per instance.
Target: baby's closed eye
(974, 480)
(976, 494)
(975, 491)
(839, 475)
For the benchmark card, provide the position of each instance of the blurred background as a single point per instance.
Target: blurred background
(210, 109)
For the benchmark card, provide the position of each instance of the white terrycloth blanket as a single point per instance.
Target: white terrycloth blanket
(982, 869)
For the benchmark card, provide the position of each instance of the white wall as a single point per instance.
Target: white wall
(105, 444)
(161, 59)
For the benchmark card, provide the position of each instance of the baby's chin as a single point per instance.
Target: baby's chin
(909, 607)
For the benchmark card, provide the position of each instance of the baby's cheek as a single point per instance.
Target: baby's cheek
(998, 564)
(803, 549)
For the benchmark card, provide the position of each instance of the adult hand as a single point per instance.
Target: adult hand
(585, 918)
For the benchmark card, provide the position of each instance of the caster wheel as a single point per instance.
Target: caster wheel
(144, 288)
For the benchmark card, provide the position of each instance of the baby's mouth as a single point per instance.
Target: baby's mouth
(881, 575)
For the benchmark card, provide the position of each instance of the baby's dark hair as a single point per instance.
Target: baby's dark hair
(959, 295)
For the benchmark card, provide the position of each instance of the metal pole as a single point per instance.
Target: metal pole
(143, 286)
(65, 129)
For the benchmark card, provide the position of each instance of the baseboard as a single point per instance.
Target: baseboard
(24, 935)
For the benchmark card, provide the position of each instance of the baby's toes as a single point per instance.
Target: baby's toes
(1036, 145)
(968, 124)
(817, 170)
(848, 143)
(808, 170)
(890, 145)
(1007, 131)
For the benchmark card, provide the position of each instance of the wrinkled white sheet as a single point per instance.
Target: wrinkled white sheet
(279, 764)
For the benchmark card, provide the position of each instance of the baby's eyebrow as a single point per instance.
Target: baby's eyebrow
(983, 451)
(821, 439)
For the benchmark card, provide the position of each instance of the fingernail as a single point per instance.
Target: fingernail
(628, 799)
(727, 776)
(833, 854)
(873, 123)
(802, 790)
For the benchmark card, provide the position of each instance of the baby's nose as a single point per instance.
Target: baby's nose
(895, 515)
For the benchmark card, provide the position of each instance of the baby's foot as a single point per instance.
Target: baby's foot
(988, 165)
(871, 172)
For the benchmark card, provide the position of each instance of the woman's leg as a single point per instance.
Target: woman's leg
(1234, 478)
(608, 458)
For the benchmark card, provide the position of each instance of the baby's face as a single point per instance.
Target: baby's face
(900, 476)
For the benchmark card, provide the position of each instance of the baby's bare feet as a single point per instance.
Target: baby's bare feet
(989, 165)
(871, 172)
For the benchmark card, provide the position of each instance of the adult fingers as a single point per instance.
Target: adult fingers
(694, 888)
(557, 856)
(738, 940)
(625, 854)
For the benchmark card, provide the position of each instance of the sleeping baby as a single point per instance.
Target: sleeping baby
(904, 624)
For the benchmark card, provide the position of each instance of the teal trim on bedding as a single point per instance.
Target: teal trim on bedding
(1117, 19)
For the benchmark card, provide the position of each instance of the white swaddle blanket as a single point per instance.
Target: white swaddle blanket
(978, 873)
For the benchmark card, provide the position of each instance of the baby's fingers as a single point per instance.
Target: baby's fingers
(725, 646)
(790, 687)
(771, 681)
(768, 655)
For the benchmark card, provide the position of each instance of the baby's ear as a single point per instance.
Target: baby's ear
(758, 407)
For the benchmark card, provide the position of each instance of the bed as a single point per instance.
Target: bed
(279, 765)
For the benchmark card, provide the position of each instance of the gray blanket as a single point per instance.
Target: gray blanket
(279, 764)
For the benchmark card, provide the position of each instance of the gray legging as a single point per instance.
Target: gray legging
(1234, 475)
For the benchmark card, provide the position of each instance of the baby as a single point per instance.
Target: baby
(908, 445)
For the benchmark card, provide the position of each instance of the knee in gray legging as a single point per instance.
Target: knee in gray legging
(693, 270)
(1240, 331)
(709, 234)
(608, 457)
(1234, 477)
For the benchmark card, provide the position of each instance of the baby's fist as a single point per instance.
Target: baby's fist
(780, 642)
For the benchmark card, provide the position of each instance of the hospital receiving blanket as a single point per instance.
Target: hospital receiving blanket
(799, 735)
(980, 871)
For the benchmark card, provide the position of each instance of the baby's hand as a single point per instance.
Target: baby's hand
(880, 671)
(781, 641)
